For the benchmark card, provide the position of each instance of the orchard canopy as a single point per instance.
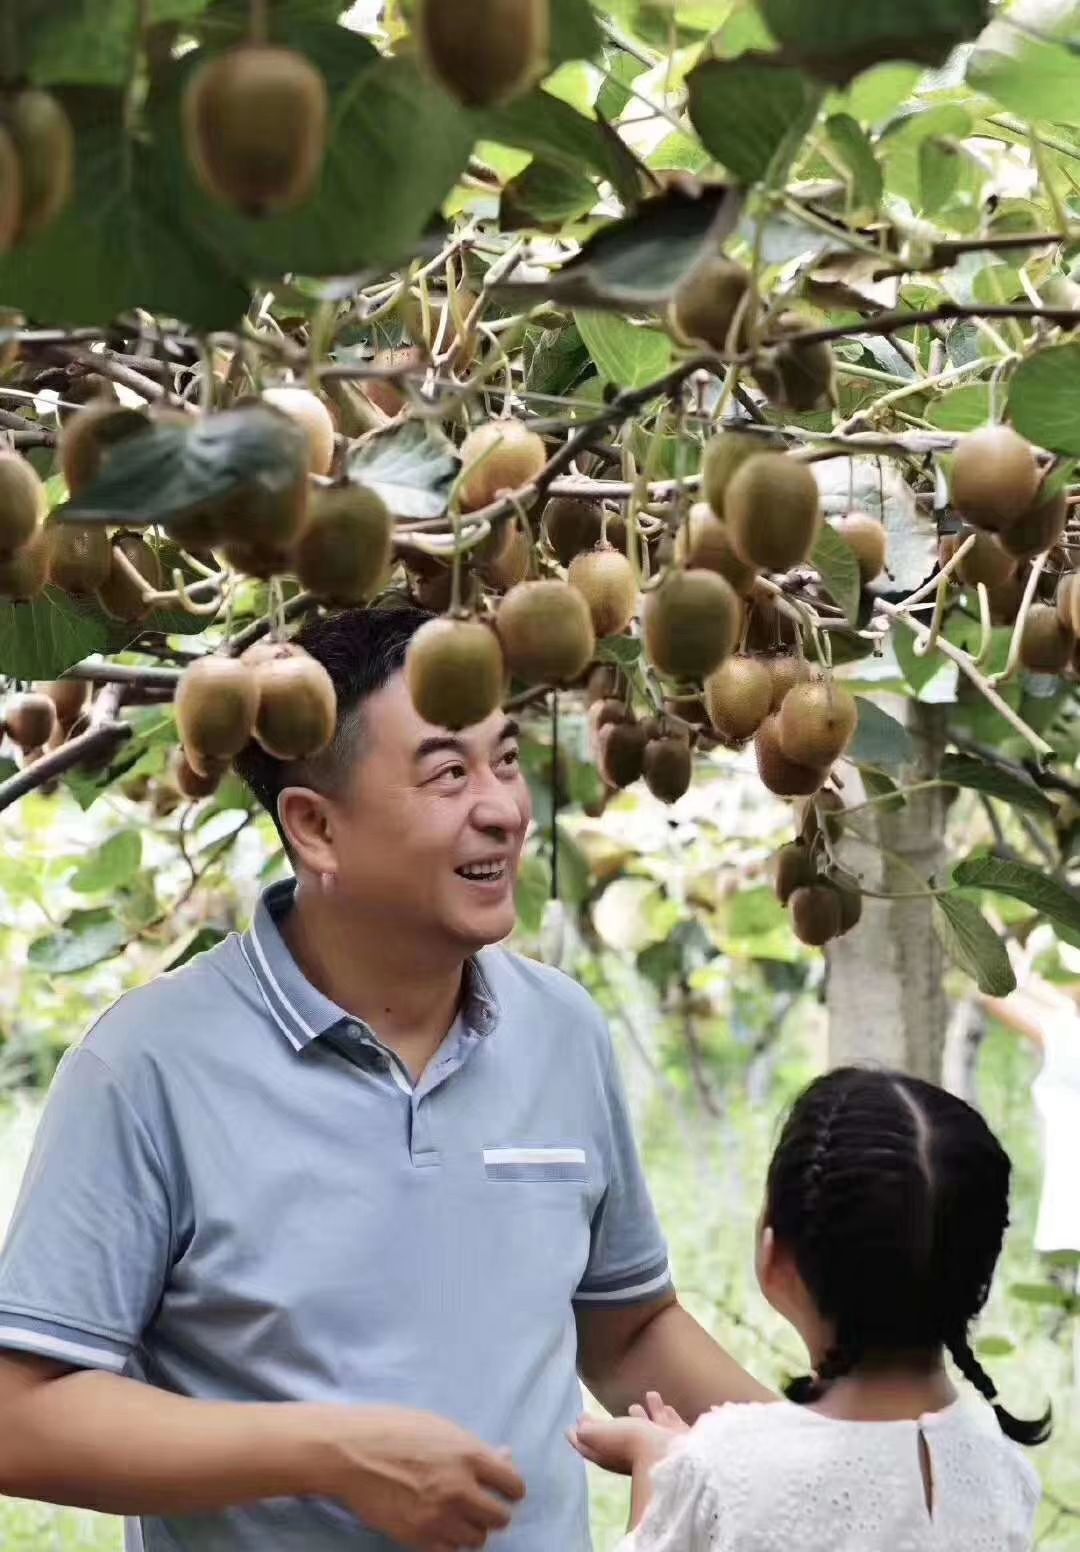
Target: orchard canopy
(709, 370)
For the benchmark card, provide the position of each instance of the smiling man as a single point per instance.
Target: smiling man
(318, 1229)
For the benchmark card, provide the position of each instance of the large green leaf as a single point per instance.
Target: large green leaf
(972, 944)
(746, 109)
(918, 671)
(554, 359)
(1019, 791)
(1021, 882)
(1027, 60)
(628, 356)
(410, 467)
(879, 739)
(836, 39)
(551, 128)
(85, 939)
(89, 42)
(114, 863)
(575, 32)
(544, 195)
(835, 560)
(961, 409)
(1044, 398)
(40, 639)
(852, 144)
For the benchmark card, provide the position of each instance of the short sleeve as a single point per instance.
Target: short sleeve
(628, 1260)
(88, 1248)
(683, 1513)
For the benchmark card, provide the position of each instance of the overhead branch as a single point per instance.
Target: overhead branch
(104, 735)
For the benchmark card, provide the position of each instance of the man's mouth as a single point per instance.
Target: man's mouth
(483, 872)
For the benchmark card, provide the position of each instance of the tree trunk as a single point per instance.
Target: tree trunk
(886, 992)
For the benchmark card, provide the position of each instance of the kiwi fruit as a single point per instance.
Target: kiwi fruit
(571, 526)
(432, 589)
(1038, 529)
(489, 57)
(216, 702)
(606, 581)
(69, 696)
(786, 778)
(80, 556)
(30, 719)
(773, 511)
(985, 562)
(454, 671)
(509, 565)
(793, 868)
(191, 783)
(786, 671)
(297, 703)
(851, 902)
(344, 551)
(816, 722)
(816, 914)
(738, 697)
(621, 756)
(23, 572)
(706, 300)
(119, 594)
(86, 439)
(668, 768)
(703, 544)
(724, 455)
(22, 502)
(1068, 602)
(820, 815)
(1046, 646)
(797, 377)
(604, 681)
(1005, 600)
(546, 632)
(385, 395)
(608, 713)
(45, 145)
(995, 478)
(10, 190)
(690, 623)
(867, 538)
(688, 709)
(259, 560)
(312, 416)
(255, 127)
(501, 456)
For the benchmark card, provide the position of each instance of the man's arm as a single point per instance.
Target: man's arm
(622, 1353)
(102, 1441)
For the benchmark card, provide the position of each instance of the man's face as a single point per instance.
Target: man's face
(429, 833)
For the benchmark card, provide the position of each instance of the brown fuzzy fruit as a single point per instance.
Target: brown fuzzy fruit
(690, 623)
(1068, 602)
(30, 719)
(80, 557)
(255, 126)
(312, 416)
(119, 594)
(22, 502)
(793, 868)
(491, 55)
(23, 572)
(668, 768)
(259, 560)
(621, 753)
(786, 671)
(688, 709)
(194, 784)
(1038, 529)
(1005, 600)
(816, 914)
(724, 456)
(546, 632)
(995, 478)
(69, 696)
(606, 581)
(608, 713)
(10, 190)
(817, 722)
(709, 299)
(868, 539)
(454, 671)
(496, 458)
(1045, 645)
(738, 696)
(344, 550)
(604, 682)
(985, 562)
(819, 814)
(297, 705)
(773, 511)
(703, 544)
(851, 902)
(510, 563)
(45, 145)
(386, 395)
(216, 702)
(767, 630)
(572, 527)
(786, 778)
(799, 377)
(87, 438)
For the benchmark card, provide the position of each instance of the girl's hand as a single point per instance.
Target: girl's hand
(629, 1444)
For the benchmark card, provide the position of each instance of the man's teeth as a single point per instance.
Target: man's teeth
(483, 871)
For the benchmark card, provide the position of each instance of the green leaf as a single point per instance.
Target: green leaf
(1021, 882)
(839, 569)
(38, 640)
(836, 39)
(1025, 61)
(545, 194)
(939, 174)
(879, 739)
(964, 770)
(575, 32)
(1044, 398)
(552, 129)
(85, 939)
(554, 359)
(961, 409)
(1042, 1293)
(621, 71)
(410, 467)
(973, 945)
(745, 110)
(878, 785)
(918, 671)
(532, 893)
(623, 650)
(628, 356)
(994, 1347)
(852, 144)
(116, 861)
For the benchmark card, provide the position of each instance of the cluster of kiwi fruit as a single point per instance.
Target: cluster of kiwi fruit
(489, 57)
(657, 749)
(999, 488)
(825, 902)
(274, 692)
(37, 163)
(40, 719)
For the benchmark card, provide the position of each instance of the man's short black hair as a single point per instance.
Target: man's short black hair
(361, 650)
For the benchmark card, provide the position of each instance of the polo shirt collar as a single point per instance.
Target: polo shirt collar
(298, 1008)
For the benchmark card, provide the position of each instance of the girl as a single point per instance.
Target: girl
(885, 1208)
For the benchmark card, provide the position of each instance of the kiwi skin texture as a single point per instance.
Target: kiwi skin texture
(216, 702)
(985, 562)
(773, 511)
(816, 914)
(45, 145)
(793, 868)
(23, 573)
(690, 623)
(707, 300)
(784, 777)
(454, 671)
(546, 632)
(344, 550)
(703, 544)
(668, 768)
(622, 753)
(868, 540)
(1039, 529)
(490, 58)
(22, 502)
(724, 455)
(69, 696)
(738, 697)
(995, 478)
(119, 595)
(80, 557)
(1045, 644)
(499, 456)
(606, 581)
(816, 723)
(297, 706)
(30, 719)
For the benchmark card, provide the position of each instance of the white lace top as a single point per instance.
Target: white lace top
(775, 1477)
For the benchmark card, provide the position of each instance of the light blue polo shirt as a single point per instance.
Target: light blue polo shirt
(236, 1193)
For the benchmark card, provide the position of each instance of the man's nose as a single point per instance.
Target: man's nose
(499, 806)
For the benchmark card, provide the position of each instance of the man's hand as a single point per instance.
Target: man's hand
(424, 1482)
(629, 1444)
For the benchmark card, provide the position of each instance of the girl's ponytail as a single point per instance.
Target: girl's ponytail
(1021, 1431)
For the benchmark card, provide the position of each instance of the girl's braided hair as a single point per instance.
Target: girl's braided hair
(893, 1196)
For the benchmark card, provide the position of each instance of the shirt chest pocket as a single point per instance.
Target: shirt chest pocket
(536, 1165)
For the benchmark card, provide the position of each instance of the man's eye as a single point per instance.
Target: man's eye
(450, 773)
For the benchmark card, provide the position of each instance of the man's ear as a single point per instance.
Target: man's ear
(307, 819)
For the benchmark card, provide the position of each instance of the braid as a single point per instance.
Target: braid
(841, 1358)
(1021, 1431)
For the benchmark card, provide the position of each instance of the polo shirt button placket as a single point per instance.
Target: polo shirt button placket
(424, 1154)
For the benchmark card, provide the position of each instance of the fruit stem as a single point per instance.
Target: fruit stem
(924, 892)
(946, 571)
(888, 797)
(985, 624)
(929, 641)
(1021, 619)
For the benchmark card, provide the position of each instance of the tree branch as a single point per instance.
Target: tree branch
(123, 673)
(104, 734)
